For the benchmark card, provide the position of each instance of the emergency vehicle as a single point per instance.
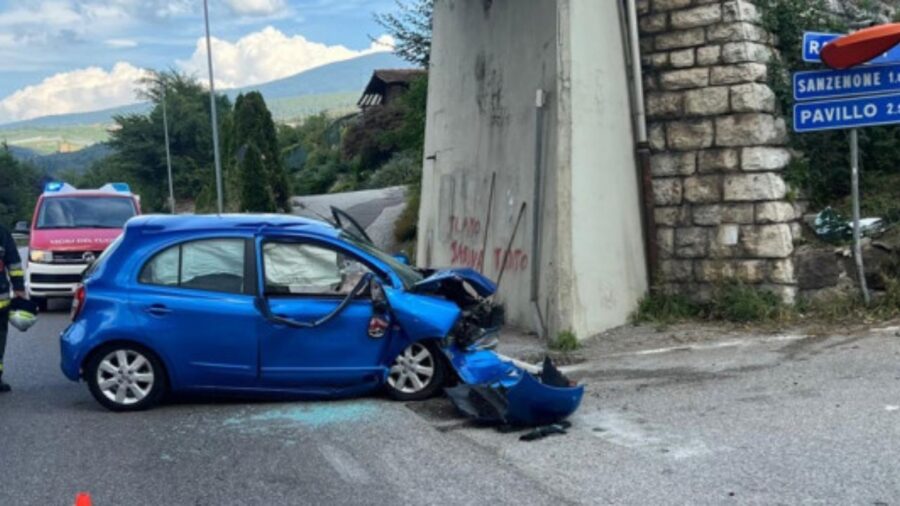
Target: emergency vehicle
(69, 230)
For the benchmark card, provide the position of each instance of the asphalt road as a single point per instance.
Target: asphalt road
(56, 440)
(781, 420)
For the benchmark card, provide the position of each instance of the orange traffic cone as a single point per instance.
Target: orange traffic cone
(82, 499)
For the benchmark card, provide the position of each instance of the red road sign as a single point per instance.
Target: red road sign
(861, 46)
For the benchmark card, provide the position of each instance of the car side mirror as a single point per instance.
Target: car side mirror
(379, 298)
(402, 258)
(22, 228)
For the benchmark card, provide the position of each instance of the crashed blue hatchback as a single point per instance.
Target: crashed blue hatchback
(286, 306)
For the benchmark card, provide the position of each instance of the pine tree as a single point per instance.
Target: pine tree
(256, 196)
(253, 130)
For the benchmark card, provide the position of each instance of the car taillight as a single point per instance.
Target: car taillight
(78, 301)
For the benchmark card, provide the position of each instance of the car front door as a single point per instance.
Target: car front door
(305, 281)
(195, 301)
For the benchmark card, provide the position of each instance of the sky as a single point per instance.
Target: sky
(65, 56)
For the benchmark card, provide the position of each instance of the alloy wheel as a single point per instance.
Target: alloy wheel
(125, 377)
(412, 370)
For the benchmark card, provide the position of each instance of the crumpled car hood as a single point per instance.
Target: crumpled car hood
(481, 284)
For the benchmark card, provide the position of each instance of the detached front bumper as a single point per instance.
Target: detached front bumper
(498, 391)
(52, 280)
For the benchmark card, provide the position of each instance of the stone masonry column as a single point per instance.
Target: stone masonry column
(718, 148)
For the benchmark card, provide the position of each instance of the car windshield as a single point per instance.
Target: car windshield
(85, 212)
(407, 274)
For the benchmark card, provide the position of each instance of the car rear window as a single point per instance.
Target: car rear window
(215, 265)
(85, 212)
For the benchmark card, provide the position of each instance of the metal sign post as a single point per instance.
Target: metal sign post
(857, 97)
(854, 182)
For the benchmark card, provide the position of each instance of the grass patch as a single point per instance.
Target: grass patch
(565, 341)
(739, 303)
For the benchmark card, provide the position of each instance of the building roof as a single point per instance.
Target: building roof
(382, 78)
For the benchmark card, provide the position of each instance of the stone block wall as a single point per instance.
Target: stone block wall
(718, 148)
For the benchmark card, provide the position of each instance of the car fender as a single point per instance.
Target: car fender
(422, 316)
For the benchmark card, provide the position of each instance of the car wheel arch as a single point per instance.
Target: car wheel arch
(112, 343)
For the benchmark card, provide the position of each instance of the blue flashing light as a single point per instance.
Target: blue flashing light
(121, 187)
(54, 186)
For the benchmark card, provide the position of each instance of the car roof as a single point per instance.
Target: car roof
(156, 223)
(87, 193)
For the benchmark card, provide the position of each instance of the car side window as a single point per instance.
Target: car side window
(215, 265)
(309, 269)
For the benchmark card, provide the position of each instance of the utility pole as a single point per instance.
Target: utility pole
(213, 114)
(168, 153)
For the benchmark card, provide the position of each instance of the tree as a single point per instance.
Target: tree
(253, 135)
(411, 29)
(21, 184)
(139, 156)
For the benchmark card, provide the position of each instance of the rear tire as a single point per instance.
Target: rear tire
(418, 373)
(125, 377)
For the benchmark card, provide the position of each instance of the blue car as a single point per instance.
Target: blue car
(282, 306)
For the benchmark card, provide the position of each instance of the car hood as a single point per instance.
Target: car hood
(481, 284)
(76, 239)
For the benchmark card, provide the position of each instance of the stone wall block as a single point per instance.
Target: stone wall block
(697, 16)
(691, 242)
(740, 73)
(706, 101)
(656, 60)
(673, 164)
(703, 189)
(665, 241)
(751, 187)
(676, 270)
(740, 52)
(653, 23)
(680, 39)
(740, 10)
(749, 129)
(783, 272)
(774, 212)
(716, 214)
(764, 158)
(672, 216)
(715, 160)
(767, 241)
(736, 32)
(668, 5)
(664, 104)
(726, 241)
(684, 79)
(682, 58)
(667, 191)
(709, 55)
(714, 271)
(689, 135)
(752, 97)
(656, 136)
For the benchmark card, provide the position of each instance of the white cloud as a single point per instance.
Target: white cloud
(120, 43)
(256, 7)
(80, 90)
(267, 55)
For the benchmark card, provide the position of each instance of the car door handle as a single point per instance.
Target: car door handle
(158, 310)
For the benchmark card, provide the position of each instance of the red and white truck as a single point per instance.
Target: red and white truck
(69, 230)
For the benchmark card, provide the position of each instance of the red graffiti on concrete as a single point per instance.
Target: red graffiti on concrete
(516, 260)
(466, 256)
(465, 226)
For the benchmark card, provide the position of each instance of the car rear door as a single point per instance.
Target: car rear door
(195, 302)
(303, 281)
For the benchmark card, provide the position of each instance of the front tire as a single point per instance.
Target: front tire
(417, 373)
(125, 377)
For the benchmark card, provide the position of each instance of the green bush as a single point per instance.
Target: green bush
(565, 341)
(663, 308)
(739, 303)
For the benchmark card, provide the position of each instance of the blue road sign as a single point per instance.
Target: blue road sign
(813, 42)
(865, 80)
(847, 113)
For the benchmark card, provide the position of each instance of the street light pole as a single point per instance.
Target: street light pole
(168, 153)
(213, 114)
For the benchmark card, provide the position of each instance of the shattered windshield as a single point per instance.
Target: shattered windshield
(408, 275)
